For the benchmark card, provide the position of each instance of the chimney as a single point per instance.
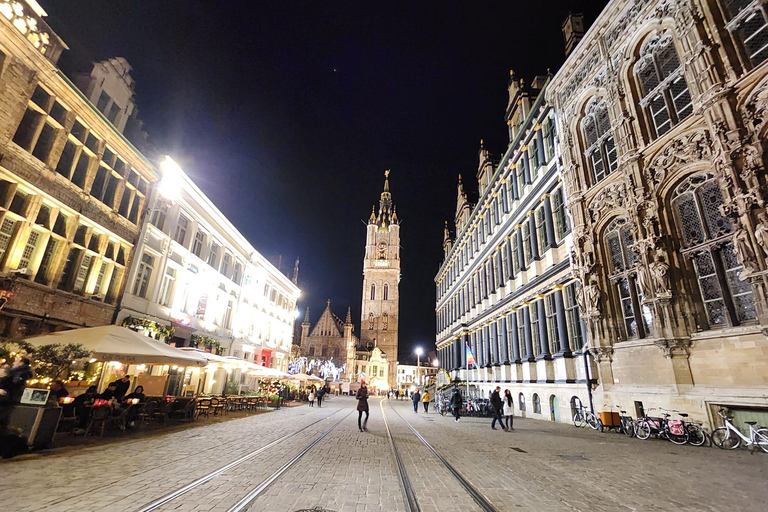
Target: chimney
(573, 31)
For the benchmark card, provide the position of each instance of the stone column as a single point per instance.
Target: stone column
(486, 347)
(527, 334)
(526, 168)
(504, 340)
(562, 327)
(456, 355)
(544, 352)
(515, 337)
(464, 343)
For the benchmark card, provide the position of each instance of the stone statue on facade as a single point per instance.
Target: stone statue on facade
(659, 271)
(592, 297)
(761, 232)
(744, 253)
(643, 280)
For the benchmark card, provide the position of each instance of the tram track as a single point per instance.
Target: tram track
(410, 498)
(172, 496)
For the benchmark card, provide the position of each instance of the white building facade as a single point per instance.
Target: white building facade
(196, 273)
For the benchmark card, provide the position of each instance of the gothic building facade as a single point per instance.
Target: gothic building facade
(331, 338)
(505, 289)
(662, 112)
(381, 279)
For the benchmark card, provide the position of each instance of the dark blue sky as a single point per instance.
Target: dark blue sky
(287, 113)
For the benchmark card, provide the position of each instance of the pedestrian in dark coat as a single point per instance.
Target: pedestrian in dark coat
(122, 386)
(497, 405)
(12, 387)
(362, 406)
(320, 394)
(456, 403)
(415, 398)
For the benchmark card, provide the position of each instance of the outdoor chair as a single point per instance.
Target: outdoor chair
(99, 418)
(218, 405)
(188, 412)
(204, 407)
(68, 420)
(147, 412)
(163, 411)
(119, 420)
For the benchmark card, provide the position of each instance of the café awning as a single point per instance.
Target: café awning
(115, 343)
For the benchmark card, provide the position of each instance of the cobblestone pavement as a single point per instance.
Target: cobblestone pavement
(540, 466)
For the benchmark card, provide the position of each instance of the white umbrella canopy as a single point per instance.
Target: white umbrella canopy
(314, 378)
(115, 343)
(301, 377)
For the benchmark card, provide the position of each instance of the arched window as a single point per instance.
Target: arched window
(598, 138)
(536, 404)
(662, 83)
(370, 321)
(707, 240)
(521, 402)
(386, 291)
(373, 292)
(385, 321)
(619, 242)
(748, 23)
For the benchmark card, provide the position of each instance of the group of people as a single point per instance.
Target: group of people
(317, 394)
(424, 398)
(116, 394)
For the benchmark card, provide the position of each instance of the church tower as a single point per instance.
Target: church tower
(381, 278)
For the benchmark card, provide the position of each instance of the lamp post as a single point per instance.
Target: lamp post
(419, 352)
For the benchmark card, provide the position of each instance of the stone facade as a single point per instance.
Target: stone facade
(505, 289)
(661, 111)
(72, 189)
(381, 279)
(331, 338)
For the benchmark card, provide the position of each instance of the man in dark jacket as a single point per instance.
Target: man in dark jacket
(497, 405)
(456, 403)
(319, 395)
(415, 398)
(121, 386)
(12, 387)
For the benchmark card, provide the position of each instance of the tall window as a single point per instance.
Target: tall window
(549, 138)
(551, 312)
(515, 254)
(226, 262)
(386, 291)
(181, 230)
(79, 152)
(598, 137)
(533, 311)
(238, 272)
(166, 288)
(521, 333)
(43, 120)
(373, 292)
(213, 256)
(541, 230)
(559, 216)
(664, 89)
(619, 242)
(572, 316)
(199, 243)
(706, 239)
(227, 320)
(527, 248)
(159, 215)
(748, 22)
(143, 276)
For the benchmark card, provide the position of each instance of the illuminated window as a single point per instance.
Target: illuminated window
(598, 138)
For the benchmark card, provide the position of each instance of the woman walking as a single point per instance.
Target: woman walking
(425, 401)
(362, 406)
(311, 397)
(509, 408)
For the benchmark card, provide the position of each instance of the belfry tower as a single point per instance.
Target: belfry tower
(381, 278)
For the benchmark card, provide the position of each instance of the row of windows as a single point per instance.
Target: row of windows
(543, 230)
(707, 243)
(524, 171)
(80, 155)
(372, 321)
(532, 330)
(48, 246)
(384, 292)
(663, 92)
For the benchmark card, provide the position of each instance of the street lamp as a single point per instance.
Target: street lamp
(419, 352)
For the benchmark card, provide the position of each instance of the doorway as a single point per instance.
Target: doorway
(554, 408)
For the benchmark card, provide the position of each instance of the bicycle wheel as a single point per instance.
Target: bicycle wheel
(594, 422)
(642, 430)
(761, 439)
(627, 427)
(722, 438)
(677, 438)
(578, 420)
(696, 435)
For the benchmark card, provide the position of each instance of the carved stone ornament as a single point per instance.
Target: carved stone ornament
(611, 197)
(602, 354)
(674, 347)
(691, 147)
(659, 271)
(643, 280)
(755, 110)
(745, 255)
(761, 232)
(592, 295)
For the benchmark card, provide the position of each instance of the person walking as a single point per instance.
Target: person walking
(311, 397)
(362, 406)
(509, 409)
(320, 393)
(497, 405)
(415, 400)
(456, 403)
(425, 401)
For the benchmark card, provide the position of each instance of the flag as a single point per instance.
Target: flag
(470, 357)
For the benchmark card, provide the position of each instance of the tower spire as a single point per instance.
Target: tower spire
(384, 218)
(349, 316)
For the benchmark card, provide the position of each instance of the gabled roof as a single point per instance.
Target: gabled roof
(329, 324)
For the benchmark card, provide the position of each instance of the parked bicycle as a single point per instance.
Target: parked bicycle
(672, 430)
(584, 417)
(696, 435)
(627, 424)
(730, 438)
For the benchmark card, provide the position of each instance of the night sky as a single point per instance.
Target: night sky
(287, 113)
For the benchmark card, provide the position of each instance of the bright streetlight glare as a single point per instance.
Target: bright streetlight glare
(435, 363)
(419, 351)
